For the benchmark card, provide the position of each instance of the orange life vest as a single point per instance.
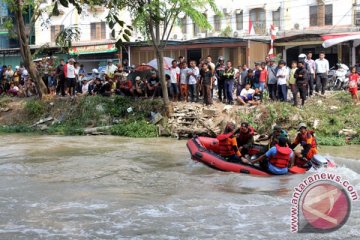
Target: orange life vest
(282, 157)
(308, 134)
(225, 146)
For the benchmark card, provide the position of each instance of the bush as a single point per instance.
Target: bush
(141, 129)
(35, 108)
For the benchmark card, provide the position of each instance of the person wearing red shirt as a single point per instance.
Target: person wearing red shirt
(353, 84)
(263, 77)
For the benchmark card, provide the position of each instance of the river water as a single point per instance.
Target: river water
(118, 188)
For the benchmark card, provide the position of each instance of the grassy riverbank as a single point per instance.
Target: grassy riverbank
(328, 115)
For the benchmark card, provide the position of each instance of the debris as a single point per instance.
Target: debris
(129, 110)
(227, 109)
(348, 132)
(6, 109)
(316, 123)
(333, 107)
(41, 121)
(209, 112)
(100, 108)
(98, 130)
(156, 117)
(42, 127)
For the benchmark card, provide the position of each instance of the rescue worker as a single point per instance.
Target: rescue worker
(245, 138)
(277, 159)
(228, 145)
(307, 140)
(276, 134)
(219, 73)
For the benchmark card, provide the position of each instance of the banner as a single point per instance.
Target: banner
(92, 49)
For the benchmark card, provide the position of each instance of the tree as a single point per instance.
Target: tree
(155, 18)
(18, 8)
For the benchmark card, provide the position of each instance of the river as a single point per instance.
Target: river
(106, 187)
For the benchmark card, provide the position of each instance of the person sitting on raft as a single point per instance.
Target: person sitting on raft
(307, 140)
(228, 147)
(245, 138)
(277, 159)
(276, 134)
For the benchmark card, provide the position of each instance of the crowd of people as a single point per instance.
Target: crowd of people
(202, 81)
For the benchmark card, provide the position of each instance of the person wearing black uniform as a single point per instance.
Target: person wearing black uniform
(301, 76)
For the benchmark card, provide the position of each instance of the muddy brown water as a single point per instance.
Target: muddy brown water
(108, 187)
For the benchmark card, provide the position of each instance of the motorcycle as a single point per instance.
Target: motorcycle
(338, 77)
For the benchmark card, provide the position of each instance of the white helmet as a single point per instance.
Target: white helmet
(302, 55)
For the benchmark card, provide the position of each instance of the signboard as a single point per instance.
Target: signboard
(93, 49)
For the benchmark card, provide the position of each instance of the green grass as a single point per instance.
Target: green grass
(35, 108)
(130, 128)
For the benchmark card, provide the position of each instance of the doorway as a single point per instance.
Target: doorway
(194, 54)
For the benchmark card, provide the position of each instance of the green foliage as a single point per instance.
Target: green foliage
(330, 140)
(226, 32)
(4, 100)
(141, 129)
(35, 108)
(17, 129)
(65, 129)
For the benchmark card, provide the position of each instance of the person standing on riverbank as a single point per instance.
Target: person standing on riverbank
(184, 80)
(193, 75)
(206, 84)
(301, 76)
(60, 75)
(281, 75)
(229, 76)
(70, 75)
(271, 79)
(322, 70)
(312, 67)
(353, 84)
(219, 73)
(174, 80)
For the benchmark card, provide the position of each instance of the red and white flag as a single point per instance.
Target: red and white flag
(273, 37)
(251, 27)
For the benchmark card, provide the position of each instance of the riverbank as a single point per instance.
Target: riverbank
(335, 118)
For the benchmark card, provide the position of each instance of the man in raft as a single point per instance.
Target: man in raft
(245, 138)
(307, 140)
(277, 159)
(228, 147)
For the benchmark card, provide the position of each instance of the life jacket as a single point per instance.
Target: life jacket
(308, 134)
(242, 138)
(282, 157)
(225, 147)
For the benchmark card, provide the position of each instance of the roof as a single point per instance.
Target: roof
(207, 40)
(299, 37)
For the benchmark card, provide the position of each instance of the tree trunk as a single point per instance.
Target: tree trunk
(25, 50)
(160, 60)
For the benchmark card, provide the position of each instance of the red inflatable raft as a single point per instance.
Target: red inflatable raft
(203, 149)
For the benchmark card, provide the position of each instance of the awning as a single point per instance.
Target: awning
(333, 39)
(93, 49)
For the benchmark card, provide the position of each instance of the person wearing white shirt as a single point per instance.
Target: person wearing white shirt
(312, 67)
(246, 95)
(322, 69)
(174, 80)
(193, 74)
(282, 75)
(110, 69)
(69, 70)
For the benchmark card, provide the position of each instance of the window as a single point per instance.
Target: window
(257, 16)
(316, 15)
(198, 30)
(217, 23)
(313, 15)
(183, 24)
(55, 30)
(98, 30)
(328, 14)
(276, 18)
(357, 18)
(239, 21)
